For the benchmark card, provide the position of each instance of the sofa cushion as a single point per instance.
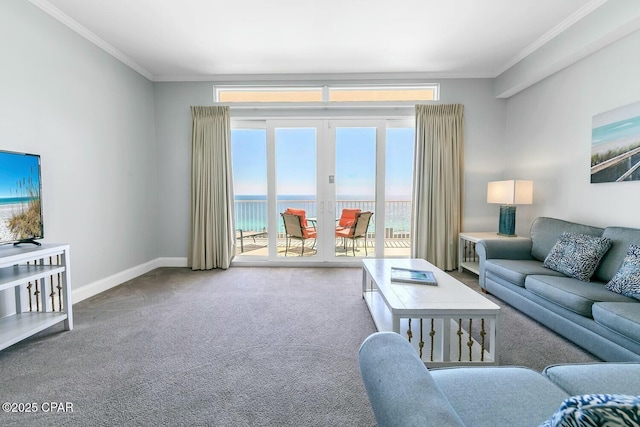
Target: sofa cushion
(621, 238)
(572, 294)
(498, 396)
(627, 279)
(590, 410)
(577, 255)
(400, 388)
(621, 317)
(583, 378)
(516, 271)
(546, 231)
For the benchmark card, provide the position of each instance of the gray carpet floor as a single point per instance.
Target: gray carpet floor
(241, 347)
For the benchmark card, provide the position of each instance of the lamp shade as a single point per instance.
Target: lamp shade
(510, 192)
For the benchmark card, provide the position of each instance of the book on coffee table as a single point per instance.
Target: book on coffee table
(407, 275)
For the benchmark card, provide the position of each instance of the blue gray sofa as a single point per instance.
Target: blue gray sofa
(603, 322)
(403, 392)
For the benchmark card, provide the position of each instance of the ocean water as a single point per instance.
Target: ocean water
(14, 200)
(628, 128)
(251, 211)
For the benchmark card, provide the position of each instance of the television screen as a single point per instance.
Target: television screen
(20, 198)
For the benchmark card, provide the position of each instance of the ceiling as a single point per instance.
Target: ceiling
(200, 39)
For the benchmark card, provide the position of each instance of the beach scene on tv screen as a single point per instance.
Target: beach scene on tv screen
(19, 197)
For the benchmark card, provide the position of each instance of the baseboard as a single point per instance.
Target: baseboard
(172, 262)
(102, 285)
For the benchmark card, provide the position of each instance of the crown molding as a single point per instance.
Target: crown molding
(90, 36)
(377, 78)
(551, 34)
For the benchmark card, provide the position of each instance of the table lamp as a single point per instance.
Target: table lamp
(508, 194)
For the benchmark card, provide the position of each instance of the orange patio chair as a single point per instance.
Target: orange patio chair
(301, 213)
(356, 231)
(295, 227)
(347, 218)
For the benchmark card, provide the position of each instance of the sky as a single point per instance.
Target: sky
(296, 166)
(13, 168)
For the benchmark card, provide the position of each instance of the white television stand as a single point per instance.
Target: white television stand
(40, 277)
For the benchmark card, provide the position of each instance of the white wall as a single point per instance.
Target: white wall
(484, 157)
(91, 119)
(548, 138)
(484, 122)
(609, 22)
(173, 138)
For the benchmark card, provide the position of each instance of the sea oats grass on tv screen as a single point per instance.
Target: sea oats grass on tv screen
(20, 197)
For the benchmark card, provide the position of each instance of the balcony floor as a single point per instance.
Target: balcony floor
(393, 247)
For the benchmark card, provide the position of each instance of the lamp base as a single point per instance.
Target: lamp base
(507, 224)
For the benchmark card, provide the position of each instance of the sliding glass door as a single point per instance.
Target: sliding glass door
(249, 165)
(322, 190)
(400, 140)
(355, 188)
(296, 189)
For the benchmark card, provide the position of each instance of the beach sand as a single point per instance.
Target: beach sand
(6, 212)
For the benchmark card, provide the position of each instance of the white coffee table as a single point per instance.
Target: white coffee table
(449, 324)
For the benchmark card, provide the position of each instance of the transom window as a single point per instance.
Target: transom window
(253, 94)
(325, 94)
(371, 94)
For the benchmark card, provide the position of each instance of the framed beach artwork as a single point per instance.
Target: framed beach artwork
(615, 145)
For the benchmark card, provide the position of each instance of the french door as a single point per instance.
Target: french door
(320, 167)
(296, 151)
(355, 146)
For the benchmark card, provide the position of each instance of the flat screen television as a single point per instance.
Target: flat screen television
(20, 198)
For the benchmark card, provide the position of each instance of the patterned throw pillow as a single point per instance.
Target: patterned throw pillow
(589, 410)
(627, 280)
(577, 255)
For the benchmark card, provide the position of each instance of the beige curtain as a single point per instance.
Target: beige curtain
(437, 184)
(212, 243)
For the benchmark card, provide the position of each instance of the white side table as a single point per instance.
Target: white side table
(467, 257)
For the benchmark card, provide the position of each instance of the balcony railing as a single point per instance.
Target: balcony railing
(252, 215)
